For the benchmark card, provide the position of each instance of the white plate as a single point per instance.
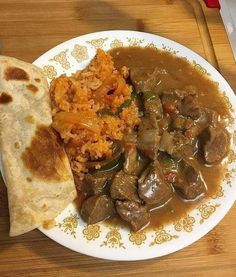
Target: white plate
(116, 243)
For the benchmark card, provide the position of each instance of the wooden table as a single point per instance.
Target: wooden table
(28, 29)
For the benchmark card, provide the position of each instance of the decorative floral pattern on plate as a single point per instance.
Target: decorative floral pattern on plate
(228, 103)
(228, 176)
(200, 68)
(169, 49)
(69, 225)
(135, 41)
(80, 53)
(61, 58)
(137, 238)
(206, 211)
(151, 45)
(219, 193)
(102, 240)
(185, 223)
(234, 137)
(97, 43)
(231, 156)
(162, 236)
(113, 239)
(116, 43)
(49, 71)
(91, 232)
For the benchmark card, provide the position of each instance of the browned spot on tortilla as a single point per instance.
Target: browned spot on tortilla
(29, 119)
(44, 207)
(5, 98)
(29, 179)
(45, 155)
(17, 145)
(49, 224)
(37, 80)
(32, 88)
(16, 73)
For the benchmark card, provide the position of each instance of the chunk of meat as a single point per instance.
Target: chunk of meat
(170, 103)
(190, 107)
(152, 188)
(166, 142)
(181, 101)
(131, 160)
(172, 100)
(133, 213)
(97, 208)
(138, 77)
(148, 142)
(215, 144)
(189, 150)
(145, 79)
(124, 187)
(82, 192)
(148, 122)
(154, 106)
(181, 123)
(189, 182)
(163, 124)
(174, 143)
(96, 183)
(142, 163)
(152, 79)
(134, 162)
(130, 138)
(148, 137)
(208, 117)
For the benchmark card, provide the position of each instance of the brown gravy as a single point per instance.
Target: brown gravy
(181, 74)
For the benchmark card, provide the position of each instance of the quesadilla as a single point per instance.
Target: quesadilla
(36, 169)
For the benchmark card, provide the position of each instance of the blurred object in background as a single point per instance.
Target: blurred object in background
(228, 14)
(212, 3)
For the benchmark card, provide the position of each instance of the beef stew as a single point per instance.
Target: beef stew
(175, 156)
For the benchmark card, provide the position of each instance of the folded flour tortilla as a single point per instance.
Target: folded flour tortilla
(36, 169)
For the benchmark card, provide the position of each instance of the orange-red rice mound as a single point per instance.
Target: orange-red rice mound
(87, 111)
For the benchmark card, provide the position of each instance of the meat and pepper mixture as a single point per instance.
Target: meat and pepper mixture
(155, 160)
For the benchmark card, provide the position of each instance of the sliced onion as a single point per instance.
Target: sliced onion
(84, 119)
